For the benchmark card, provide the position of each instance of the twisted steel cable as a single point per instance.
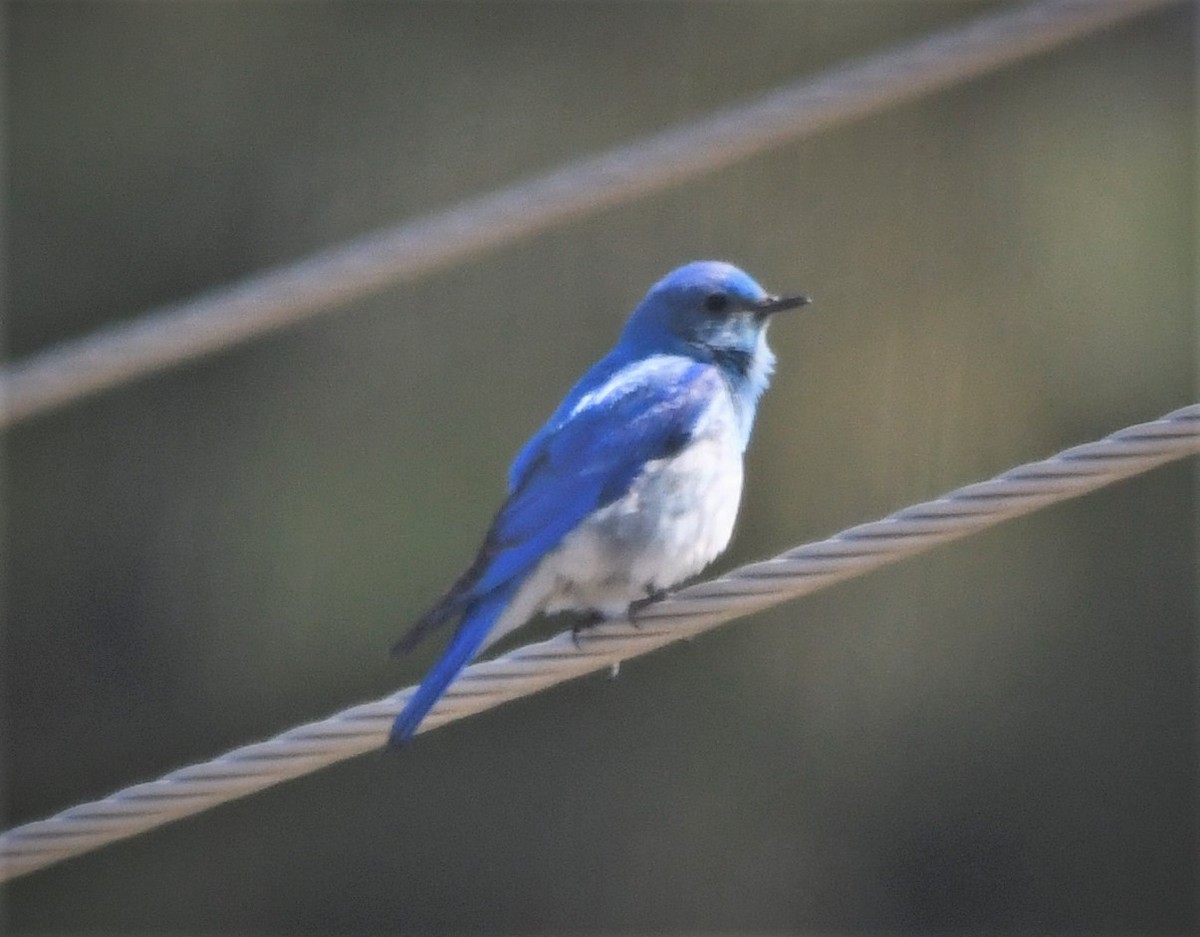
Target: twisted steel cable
(274, 299)
(535, 667)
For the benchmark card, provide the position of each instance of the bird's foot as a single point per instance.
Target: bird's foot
(656, 595)
(583, 622)
(594, 617)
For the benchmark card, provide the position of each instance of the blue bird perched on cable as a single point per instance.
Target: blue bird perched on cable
(633, 484)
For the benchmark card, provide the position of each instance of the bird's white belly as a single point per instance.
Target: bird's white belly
(676, 518)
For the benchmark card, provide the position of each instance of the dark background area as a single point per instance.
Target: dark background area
(1000, 735)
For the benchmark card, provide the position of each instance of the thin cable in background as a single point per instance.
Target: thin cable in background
(274, 299)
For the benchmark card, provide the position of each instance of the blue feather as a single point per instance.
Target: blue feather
(468, 638)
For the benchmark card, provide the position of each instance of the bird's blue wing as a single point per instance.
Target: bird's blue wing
(575, 467)
(589, 462)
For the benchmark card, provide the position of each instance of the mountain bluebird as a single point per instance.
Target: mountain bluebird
(633, 484)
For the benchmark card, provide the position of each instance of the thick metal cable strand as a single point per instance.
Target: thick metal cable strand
(535, 667)
(276, 298)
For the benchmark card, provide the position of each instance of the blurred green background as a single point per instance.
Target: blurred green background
(1000, 736)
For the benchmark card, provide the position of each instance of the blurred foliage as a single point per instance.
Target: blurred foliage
(1000, 736)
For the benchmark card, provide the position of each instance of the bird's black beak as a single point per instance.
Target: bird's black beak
(774, 304)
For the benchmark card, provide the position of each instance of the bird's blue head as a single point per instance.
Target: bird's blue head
(713, 312)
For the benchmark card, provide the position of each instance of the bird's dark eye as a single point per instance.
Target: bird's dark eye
(716, 302)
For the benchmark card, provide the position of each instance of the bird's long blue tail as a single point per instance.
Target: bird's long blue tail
(468, 638)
